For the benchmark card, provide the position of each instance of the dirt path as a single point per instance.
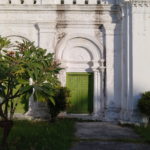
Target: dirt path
(106, 136)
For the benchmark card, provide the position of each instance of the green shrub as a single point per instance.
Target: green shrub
(61, 102)
(144, 103)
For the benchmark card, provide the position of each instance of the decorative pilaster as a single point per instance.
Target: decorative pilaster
(97, 94)
(110, 48)
(62, 74)
(135, 25)
(126, 64)
(47, 34)
(46, 40)
(102, 87)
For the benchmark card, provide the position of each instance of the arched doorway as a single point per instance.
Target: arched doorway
(82, 59)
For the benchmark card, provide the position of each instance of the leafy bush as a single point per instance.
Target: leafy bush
(144, 103)
(61, 102)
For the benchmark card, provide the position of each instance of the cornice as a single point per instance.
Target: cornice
(108, 8)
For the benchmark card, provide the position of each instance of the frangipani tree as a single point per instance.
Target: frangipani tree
(19, 64)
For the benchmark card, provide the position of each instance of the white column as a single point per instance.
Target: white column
(126, 78)
(102, 88)
(47, 34)
(109, 38)
(97, 94)
(62, 74)
(47, 41)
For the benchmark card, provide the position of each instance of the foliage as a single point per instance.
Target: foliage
(144, 132)
(144, 104)
(61, 102)
(25, 70)
(33, 135)
(21, 66)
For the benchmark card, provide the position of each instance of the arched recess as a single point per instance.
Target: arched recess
(14, 38)
(83, 41)
(36, 109)
(82, 53)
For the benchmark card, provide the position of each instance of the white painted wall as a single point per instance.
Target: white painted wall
(141, 50)
(110, 38)
(135, 56)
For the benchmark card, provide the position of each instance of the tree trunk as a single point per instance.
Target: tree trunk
(6, 125)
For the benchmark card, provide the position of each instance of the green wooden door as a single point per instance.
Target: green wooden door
(81, 87)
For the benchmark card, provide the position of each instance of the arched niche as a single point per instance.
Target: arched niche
(14, 38)
(82, 41)
(82, 53)
(36, 109)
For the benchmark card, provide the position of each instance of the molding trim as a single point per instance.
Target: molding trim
(54, 7)
(46, 27)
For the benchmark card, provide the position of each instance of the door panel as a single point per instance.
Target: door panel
(81, 87)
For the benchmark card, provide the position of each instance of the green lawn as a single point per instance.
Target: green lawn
(29, 135)
(144, 133)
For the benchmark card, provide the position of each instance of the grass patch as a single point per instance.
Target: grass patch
(29, 135)
(144, 132)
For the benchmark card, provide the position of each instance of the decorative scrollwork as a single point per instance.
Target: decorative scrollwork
(139, 3)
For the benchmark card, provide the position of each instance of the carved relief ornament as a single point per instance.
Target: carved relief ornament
(139, 3)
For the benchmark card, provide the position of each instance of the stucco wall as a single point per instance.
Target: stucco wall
(89, 31)
(141, 50)
(135, 56)
(111, 40)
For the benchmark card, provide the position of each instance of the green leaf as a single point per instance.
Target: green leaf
(52, 100)
(23, 81)
(27, 88)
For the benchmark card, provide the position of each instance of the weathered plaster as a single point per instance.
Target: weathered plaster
(107, 37)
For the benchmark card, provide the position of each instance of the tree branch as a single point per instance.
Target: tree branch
(2, 114)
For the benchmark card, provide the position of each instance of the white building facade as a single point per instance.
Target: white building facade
(109, 39)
